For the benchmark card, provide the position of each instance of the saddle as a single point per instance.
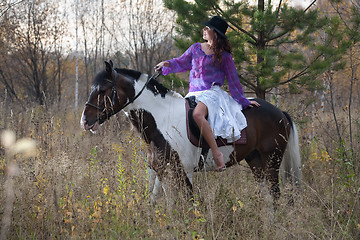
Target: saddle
(193, 130)
(195, 137)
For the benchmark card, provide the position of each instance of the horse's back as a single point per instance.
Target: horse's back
(268, 125)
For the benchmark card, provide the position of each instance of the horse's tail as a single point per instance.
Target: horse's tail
(290, 169)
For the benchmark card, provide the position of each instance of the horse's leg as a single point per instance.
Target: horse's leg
(166, 186)
(164, 163)
(252, 158)
(184, 181)
(267, 182)
(153, 180)
(273, 161)
(155, 191)
(256, 166)
(151, 176)
(172, 179)
(155, 185)
(189, 187)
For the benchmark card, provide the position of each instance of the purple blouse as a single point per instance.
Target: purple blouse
(204, 72)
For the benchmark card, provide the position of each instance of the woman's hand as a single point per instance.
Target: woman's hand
(254, 103)
(162, 64)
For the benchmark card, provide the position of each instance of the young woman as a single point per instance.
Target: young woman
(209, 63)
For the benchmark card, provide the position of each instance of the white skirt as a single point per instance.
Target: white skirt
(224, 113)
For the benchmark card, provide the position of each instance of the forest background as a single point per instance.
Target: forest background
(304, 59)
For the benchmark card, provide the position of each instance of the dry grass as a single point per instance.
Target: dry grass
(82, 186)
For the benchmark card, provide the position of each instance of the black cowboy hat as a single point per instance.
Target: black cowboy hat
(218, 24)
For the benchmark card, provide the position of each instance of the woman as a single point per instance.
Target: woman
(209, 62)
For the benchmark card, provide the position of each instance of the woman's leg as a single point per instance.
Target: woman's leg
(200, 112)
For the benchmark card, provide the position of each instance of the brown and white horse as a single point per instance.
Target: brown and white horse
(159, 115)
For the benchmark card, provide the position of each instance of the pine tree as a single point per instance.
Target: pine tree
(272, 45)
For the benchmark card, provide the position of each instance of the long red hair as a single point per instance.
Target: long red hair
(221, 45)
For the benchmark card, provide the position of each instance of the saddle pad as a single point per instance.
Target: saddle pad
(193, 131)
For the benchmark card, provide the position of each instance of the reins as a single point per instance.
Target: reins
(153, 77)
(114, 94)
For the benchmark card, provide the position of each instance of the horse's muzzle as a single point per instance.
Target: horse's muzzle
(86, 125)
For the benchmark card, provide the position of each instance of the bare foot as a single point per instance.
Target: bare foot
(219, 160)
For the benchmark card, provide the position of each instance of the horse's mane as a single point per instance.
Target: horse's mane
(153, 85)
(157, 88)
(100, 78)
(129, 72)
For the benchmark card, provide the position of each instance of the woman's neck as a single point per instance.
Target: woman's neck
(206, 47)
(210, 43)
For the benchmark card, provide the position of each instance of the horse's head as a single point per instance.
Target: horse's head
(110, 91)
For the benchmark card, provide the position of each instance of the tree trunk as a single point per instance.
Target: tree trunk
(260, 45)
(260, 93)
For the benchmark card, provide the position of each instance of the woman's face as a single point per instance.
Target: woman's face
(208, 33)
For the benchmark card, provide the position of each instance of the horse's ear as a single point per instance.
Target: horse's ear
(111, 63)
(109, 67)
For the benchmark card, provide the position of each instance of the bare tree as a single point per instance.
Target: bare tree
(145, 34)
(6, 5)
(92, 25)
(7, 27)
(341, 94)
(135, 34)
(33, 55)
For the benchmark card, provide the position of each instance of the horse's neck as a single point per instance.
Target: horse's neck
(145, 124)
(154, 115)
(160, 107)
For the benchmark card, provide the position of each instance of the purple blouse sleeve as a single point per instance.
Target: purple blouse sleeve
(232, 77)
(180, 64)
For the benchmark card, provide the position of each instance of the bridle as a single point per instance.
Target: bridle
(114, 95)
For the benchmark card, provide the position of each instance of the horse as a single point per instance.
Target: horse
(159, 116)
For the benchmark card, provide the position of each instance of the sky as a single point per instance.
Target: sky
(302, 3)
(70, 5)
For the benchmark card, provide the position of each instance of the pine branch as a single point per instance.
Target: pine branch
(281, 34)
(233, 25)
(303, 72)
(277, 17)
(247, 83)
(244, 31)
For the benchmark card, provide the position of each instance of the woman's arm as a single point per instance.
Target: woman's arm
(180, 64)
(232, 77)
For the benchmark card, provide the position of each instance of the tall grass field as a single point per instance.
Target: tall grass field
(78, 185)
